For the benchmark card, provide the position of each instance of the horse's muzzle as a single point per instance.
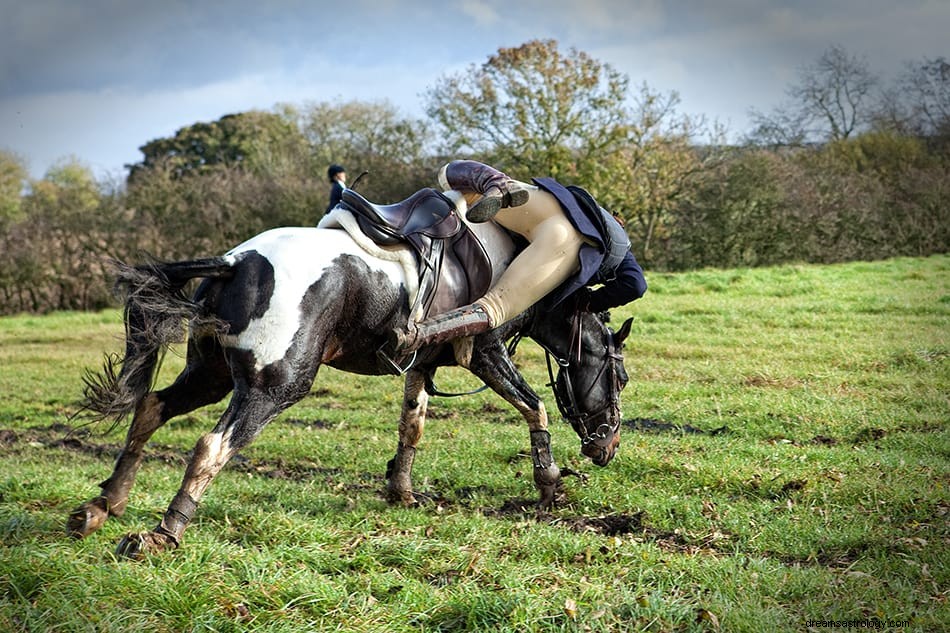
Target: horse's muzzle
(601, 450)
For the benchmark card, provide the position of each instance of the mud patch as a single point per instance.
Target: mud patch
(608, 525)
(613, 524)
(282, 469)
(650, 425)
(318, 424)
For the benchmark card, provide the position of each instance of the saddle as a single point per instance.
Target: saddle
(454, 268)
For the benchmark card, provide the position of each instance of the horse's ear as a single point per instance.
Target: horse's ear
(624, 331)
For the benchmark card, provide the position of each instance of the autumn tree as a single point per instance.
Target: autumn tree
(533, 110)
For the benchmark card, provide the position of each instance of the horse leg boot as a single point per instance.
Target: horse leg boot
(497, 190)
(465, 321)
(547, 476)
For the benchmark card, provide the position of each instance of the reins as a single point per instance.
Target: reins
(568, 405)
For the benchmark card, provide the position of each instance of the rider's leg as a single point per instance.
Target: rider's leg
(548, 260)
(542, 266)
(497, 190)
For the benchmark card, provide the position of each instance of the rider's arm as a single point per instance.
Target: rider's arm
(627, 285)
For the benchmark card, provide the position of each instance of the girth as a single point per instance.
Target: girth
(454, 268)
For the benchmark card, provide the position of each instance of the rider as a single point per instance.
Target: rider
(569, 250)
(336, 174)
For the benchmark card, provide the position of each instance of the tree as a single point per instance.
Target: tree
(13, 175)
(919, 104)
(831, 101)
(255, 141)
(532, 109)
(372, 137)
(647, 177)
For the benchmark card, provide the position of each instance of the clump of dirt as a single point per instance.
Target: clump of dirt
(651, 425)
(608, 525)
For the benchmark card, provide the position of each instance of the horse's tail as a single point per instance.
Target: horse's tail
(156, 308)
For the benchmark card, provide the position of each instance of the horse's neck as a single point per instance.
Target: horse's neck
(552, 328)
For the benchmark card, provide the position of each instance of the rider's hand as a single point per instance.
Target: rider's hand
(582, 299)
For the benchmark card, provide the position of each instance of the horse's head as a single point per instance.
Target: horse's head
(588, 384)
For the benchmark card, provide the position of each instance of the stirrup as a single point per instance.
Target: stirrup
(398, 369)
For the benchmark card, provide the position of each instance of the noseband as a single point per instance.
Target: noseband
(567, 403)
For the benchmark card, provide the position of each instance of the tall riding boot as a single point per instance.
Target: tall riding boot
(498, 190)
(465, 321)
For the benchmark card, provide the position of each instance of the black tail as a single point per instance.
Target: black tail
(156, 309)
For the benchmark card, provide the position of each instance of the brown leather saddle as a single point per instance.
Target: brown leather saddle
(454, 268)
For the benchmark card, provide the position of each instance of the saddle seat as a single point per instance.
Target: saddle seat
(427, 212)
(453, 267)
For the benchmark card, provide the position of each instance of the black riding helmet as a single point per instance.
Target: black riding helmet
(333, 170)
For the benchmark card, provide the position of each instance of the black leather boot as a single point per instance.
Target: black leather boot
(465, 321)
(498, 190)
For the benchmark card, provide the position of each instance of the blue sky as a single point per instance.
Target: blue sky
(96, 79)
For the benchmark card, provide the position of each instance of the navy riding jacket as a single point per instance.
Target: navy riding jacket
(623, 284)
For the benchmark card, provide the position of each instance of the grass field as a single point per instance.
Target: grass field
(786, 459)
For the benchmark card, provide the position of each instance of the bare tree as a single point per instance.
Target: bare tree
(833, 99)
(920, 104)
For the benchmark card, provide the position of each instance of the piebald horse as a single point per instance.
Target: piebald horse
(263, 319)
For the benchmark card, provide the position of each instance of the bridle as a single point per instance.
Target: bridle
(567, 403)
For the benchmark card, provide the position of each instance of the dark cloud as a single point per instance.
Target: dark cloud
(70, 69)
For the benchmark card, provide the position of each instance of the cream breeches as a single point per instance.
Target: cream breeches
(548, 260)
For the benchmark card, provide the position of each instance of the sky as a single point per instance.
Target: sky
(93, 80)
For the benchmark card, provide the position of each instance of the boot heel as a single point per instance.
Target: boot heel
(515, 196)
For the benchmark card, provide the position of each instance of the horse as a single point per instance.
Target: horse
(268, 313)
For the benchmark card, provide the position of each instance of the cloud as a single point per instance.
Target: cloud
(98, 78)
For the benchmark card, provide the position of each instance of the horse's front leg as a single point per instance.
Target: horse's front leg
(411, 422)
(491, 363)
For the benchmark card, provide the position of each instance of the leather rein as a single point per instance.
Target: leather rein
(567, 404)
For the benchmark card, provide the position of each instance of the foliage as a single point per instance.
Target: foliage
(13, 175)
(875, 186)
(533, 110)
(821, 495)
(255, 141)
(877, 193)
(368, 137)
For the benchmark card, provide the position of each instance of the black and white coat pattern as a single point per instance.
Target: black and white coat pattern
(265, 317)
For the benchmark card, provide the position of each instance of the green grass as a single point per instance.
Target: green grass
(824, 495)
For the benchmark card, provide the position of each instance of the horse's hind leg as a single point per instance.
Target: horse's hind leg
(245, 417)
(411, 423)
(204, 381)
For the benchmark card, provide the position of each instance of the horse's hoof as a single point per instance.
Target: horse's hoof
(404, 498)
(139, 545)
(87, 518)
(548, 496)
